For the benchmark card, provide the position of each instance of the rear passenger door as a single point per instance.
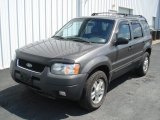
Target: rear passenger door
(146, 31)
(138, 40)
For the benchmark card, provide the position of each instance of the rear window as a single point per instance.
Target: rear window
(145, 27)
(137, 30)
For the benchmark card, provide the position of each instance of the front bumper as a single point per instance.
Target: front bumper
(48, 83)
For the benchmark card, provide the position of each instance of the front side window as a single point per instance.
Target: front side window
(90, 29)
(124, 31)
(137, 30)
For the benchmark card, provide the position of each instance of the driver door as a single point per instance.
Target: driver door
(123, 59)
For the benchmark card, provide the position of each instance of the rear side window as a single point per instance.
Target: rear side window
(137, 30)
(124, 31)
(145, 27)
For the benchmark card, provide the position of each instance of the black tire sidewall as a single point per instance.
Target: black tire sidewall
(95, 76)
(140, 70)
(145, 55)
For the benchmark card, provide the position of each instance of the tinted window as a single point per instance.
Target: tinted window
(98, 29)
(72, 29)
(137, 30)
(124, 31)
(145, 27)
(93, 30)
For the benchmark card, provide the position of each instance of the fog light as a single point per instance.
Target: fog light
(62, 93)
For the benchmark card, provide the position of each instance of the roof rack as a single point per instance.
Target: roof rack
(108, 14)
(116, 14)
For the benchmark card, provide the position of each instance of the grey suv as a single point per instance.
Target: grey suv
(84, 56)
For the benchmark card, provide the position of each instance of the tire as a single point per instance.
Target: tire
(142, 70)
(98, 78)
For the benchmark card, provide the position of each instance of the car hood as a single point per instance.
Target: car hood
(52, 48)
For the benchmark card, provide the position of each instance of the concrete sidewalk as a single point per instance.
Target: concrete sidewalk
(155, 42)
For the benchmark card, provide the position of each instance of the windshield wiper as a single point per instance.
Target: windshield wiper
(58, 37)
(78, 39)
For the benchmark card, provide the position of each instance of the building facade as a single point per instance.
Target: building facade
(26, 21)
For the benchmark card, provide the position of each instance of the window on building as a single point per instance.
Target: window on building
(137, 30)
(125, 10)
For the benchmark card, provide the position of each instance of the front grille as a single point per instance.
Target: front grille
(30, 65)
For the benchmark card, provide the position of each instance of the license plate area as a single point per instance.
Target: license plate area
(24, 77)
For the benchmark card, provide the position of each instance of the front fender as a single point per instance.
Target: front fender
(96, 62)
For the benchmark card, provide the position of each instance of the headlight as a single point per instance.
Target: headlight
(65, 69)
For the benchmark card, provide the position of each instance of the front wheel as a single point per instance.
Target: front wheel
(142, 70)
(94, 91)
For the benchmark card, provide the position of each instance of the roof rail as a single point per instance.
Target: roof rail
(116, 14)
(108, 14)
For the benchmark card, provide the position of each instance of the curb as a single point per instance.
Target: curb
(155, 42)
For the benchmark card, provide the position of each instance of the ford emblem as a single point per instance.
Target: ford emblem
(29, 65)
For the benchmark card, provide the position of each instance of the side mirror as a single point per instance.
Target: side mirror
(121, 41)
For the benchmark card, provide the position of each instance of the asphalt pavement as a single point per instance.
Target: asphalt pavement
(130, 98)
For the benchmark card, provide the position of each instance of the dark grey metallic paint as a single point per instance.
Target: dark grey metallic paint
(118, 59)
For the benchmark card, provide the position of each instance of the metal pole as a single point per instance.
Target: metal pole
(10, 46)
(1, 41)
(158, 31)
(79, 8)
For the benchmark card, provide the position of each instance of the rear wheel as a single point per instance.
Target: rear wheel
(142, 70)
(94, 91)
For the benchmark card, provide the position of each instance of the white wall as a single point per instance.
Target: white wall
(157, 24)
(25, 21)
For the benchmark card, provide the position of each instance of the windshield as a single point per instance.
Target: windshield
(89, 30)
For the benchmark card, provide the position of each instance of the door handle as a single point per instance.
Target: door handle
(130, 48)
(143, 42)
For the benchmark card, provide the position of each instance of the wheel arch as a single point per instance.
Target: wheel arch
(100, 63)
(148, 50)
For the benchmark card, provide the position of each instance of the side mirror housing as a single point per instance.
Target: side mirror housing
(121, 41)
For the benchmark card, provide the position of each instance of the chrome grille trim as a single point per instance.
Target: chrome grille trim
(25, 68)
